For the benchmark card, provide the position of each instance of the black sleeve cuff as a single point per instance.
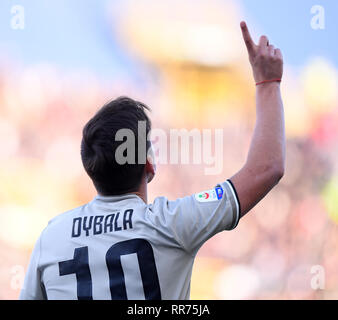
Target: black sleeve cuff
(237, 198)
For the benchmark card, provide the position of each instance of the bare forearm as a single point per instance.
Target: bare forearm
(267, 150)
(265, 162)
(266, 158)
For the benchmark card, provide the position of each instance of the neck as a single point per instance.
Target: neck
(142, 190)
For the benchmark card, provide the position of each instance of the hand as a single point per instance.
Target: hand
(266, 61)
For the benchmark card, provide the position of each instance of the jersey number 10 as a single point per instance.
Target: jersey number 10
(80, 266)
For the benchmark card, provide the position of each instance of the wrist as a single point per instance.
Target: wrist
(268, 85)
(261, 82)
(268, 88)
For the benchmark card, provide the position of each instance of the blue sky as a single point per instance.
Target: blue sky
(287, 23)
(76, 34)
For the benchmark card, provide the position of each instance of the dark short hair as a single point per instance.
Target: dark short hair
(98, 146)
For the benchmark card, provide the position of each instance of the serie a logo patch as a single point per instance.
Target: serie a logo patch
(210, 195)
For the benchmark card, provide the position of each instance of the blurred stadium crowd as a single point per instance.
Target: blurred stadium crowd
(273, 250)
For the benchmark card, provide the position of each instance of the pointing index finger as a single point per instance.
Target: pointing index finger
(247, 38)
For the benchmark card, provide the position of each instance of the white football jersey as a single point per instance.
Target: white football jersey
(118, 247)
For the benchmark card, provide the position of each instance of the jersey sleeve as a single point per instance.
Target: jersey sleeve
(33, 288)
(196, 218)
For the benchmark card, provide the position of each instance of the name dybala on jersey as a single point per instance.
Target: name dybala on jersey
(118, 247)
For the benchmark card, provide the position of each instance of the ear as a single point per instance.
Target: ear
(150, 165)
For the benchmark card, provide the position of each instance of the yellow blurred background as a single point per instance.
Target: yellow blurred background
(197, 76)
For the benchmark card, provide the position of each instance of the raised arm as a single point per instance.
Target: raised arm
(265, 162)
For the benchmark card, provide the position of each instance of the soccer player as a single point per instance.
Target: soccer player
(118, 246)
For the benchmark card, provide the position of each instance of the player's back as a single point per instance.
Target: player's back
(112, 248)
(121, 248)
